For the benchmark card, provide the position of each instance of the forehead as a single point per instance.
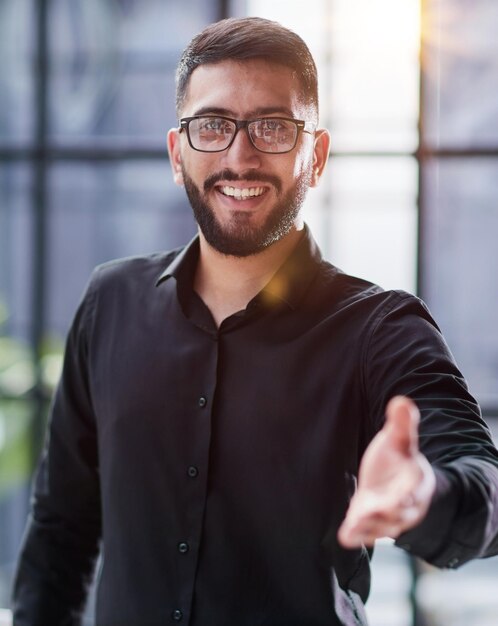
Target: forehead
(244, 88)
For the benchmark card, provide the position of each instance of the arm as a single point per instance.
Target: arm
(457, 518)
(61, 540)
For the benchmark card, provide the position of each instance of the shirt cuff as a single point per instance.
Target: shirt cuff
(431, 539)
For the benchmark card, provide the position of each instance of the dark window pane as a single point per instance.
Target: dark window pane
(15, 250)
(102, 211)
(113, 66)
(16, 78)
(461, 52)
(460, 265)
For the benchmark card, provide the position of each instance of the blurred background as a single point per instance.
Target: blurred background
(410, 200)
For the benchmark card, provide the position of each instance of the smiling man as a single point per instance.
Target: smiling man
(238, 420)
(251, 199)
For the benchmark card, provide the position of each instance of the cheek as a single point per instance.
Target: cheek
(303, 163)
(201, 165)
(288, 167)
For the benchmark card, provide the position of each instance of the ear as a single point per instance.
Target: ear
(175, 157)
(320, 154)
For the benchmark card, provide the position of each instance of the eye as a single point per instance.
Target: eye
(215, 125)
(273, 124)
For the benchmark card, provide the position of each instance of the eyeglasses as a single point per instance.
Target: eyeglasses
(210, 133)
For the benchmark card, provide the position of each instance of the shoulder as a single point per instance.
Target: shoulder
(121, 287)
(151, 265)
(132, 271)
(351, 292)
(123, 282)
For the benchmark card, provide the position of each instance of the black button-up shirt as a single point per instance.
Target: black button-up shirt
(214, 465)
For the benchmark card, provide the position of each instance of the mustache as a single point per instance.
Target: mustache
(248, 176)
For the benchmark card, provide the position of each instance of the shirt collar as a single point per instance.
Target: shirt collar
(183, 264)
(287, 285)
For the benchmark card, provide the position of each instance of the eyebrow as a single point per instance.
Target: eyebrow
(251, 114)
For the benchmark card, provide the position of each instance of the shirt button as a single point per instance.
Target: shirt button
(183, 547)
(453, 562)
(193, 471)
(202, 402)
(177, 615)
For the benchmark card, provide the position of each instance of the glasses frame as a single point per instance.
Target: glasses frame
(301, 125)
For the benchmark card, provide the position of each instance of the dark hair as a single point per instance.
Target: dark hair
(241, 39)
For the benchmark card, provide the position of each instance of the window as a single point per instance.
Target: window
(409, 198)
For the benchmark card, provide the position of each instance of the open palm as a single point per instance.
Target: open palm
(395, 482)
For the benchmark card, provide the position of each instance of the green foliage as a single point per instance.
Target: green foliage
(15, 444)
(20, 375)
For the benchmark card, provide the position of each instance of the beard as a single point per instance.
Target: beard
(239, 238)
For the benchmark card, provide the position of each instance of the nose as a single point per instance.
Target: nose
(242, 154)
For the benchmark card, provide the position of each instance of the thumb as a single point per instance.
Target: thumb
(402, 420)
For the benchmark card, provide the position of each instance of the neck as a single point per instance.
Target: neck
(226, 284)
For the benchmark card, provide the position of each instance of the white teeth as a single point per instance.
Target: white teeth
(242, 194)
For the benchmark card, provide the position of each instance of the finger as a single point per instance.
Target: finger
(372, 516)
(366, 530)
(359, 524)
(383, 519)
(369, 537)
(367, 533)
(402, 420)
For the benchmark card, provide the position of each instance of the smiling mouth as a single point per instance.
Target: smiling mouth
(242, 194)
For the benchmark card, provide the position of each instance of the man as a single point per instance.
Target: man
(216, 400)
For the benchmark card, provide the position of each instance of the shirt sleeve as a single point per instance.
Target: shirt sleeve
(61, 542)
(407, 355)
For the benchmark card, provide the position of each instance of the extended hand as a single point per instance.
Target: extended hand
(395, 482)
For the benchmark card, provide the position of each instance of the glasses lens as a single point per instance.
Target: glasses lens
(211, 133)
(273, 134)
